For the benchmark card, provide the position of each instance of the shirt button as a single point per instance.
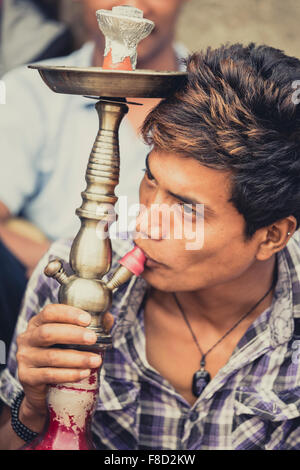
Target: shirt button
(194, 416)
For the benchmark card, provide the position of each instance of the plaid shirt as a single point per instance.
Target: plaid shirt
(252, 403)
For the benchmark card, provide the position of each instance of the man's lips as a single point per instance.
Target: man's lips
(150, 261)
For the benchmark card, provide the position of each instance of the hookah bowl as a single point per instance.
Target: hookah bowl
(71, 405)
(123, 27)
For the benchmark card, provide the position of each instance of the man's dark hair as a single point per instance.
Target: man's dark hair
(238, 112)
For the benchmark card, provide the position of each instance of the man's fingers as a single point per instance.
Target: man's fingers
(59, 313)
(66, 358)
(56, 333)
(49, 375)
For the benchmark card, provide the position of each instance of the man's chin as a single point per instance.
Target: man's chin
(157, 281)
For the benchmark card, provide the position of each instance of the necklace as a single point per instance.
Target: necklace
(201, 377)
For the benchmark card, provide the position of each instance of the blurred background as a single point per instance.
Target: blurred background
(213, 22)
(203, 23)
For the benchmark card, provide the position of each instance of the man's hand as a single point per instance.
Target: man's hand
(41, 364)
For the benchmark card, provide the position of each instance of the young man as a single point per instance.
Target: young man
(228, 140)
(46, 138)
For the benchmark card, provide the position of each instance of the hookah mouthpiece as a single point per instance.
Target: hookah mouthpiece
(134, 261)
(123, 27)
(131, 264)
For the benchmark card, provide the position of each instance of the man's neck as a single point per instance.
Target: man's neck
(223, 305)
(165, 59)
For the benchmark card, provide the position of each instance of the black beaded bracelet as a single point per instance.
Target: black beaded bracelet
(20, 429)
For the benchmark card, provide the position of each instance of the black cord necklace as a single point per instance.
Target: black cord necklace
(201, 377)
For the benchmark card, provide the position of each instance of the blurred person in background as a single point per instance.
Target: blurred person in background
(30, 31)
(45, 140)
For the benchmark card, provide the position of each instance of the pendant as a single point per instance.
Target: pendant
(200, 379)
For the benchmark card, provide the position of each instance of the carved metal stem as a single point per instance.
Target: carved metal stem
(90, 256)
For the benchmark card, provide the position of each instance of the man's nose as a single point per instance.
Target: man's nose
(152, 221)
(148, 223)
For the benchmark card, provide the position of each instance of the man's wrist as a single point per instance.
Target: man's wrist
(31, 417)
(22, 431)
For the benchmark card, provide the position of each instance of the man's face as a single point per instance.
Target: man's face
(225, 254)
(163, 13)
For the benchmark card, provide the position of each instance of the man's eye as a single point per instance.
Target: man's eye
(148, 174)
(188, 208)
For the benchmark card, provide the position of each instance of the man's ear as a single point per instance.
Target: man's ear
(275, 237)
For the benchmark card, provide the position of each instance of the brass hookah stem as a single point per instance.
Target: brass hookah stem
(95, 213)
(102, 173)
(90, 255)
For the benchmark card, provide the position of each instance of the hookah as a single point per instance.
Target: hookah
(71, 405)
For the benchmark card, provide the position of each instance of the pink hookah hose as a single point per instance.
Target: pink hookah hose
(134, 261)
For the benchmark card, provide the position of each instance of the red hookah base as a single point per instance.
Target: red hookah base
(60, 437)
(67, 427)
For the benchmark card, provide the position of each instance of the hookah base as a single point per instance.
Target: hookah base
(70, 411)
